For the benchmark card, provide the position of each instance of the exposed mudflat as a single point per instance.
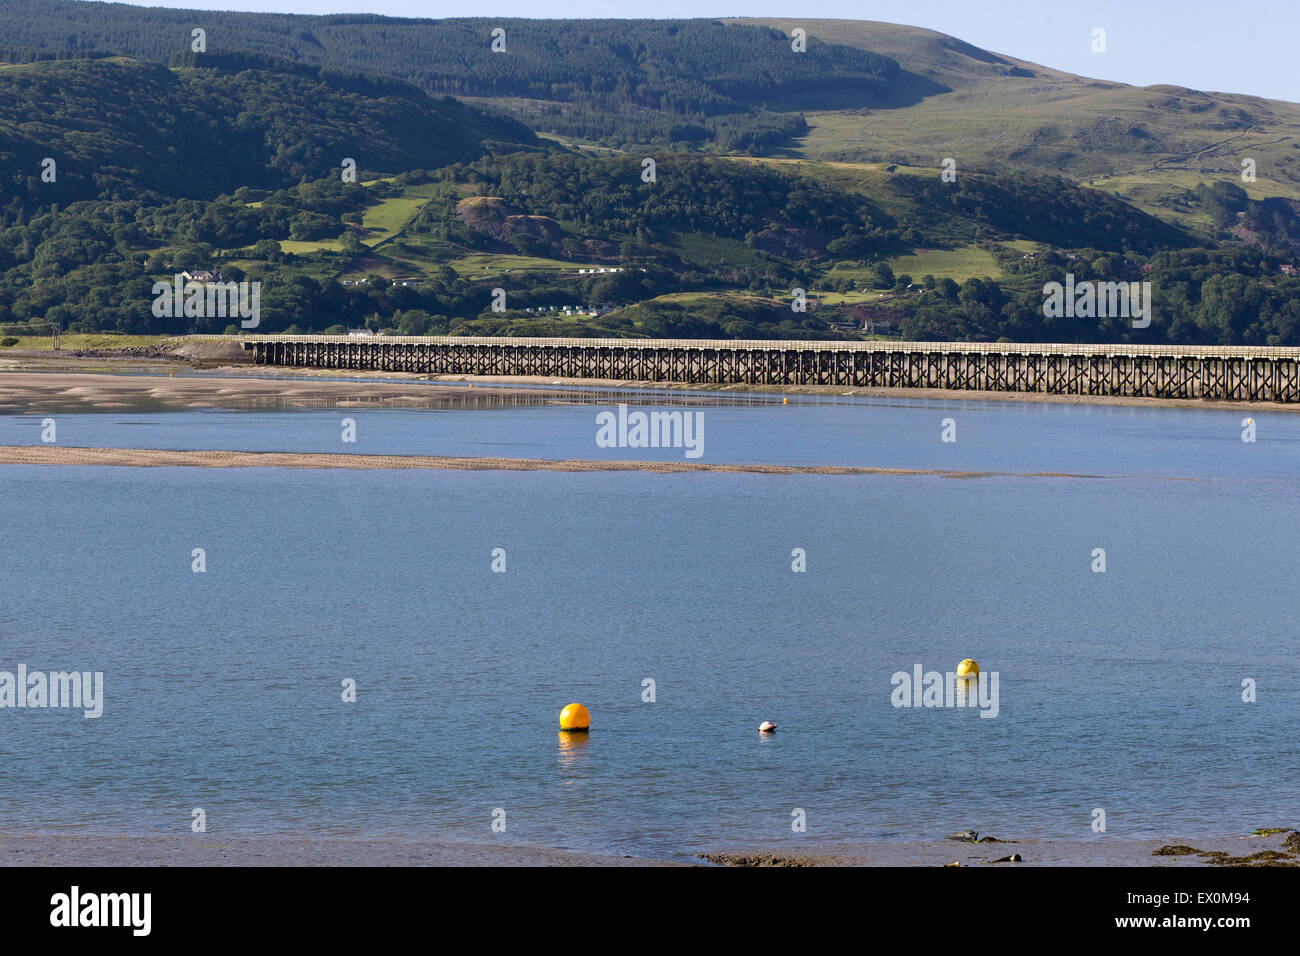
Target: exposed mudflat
(169, 458)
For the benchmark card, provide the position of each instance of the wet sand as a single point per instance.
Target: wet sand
(22, 391)
(168, 458)
(209, 849)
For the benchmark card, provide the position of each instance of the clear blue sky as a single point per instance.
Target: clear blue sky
(1248, 46)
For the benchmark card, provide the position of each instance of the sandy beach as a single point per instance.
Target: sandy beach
(209, 849)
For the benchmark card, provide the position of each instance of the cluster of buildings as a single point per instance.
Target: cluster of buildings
(558, 310)
(203, 276)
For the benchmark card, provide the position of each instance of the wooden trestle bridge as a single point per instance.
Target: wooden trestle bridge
(1152, 371)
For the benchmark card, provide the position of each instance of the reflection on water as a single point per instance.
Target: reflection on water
(573, 750)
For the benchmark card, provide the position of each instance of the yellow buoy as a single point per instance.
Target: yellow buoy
(968, 669)
(575, 718)
(785, 401)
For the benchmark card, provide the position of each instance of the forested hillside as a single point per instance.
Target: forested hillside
(643, 81)
(121, 127)
(677, 204)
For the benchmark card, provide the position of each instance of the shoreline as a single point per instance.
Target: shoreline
(282, 849)
(31, 381)
(309, 849)
(69, 455)
(1271, 850)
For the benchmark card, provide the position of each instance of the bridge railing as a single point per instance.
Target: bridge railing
(785, 345)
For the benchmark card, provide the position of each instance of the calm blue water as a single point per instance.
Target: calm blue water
(1119, 690)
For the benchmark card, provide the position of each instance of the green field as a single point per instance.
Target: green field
(483, 265)
(967, 262)
(385, 220)
(300, 247)
(849, 298)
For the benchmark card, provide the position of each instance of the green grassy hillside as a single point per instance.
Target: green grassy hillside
(1148, 144)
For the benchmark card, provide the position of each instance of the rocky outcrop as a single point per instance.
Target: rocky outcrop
(790, 243)
(497, 219)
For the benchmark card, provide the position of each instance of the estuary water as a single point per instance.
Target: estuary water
(1119, 689)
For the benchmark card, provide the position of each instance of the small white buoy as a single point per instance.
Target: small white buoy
(766, 727)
